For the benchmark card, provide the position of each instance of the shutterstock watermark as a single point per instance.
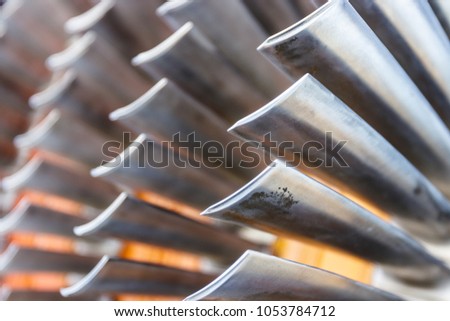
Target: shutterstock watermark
(188, 151)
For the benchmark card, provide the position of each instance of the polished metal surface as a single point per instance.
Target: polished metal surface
(16, 259)
(306, 7)
(442, 10)
(337, 47)
(367, 168)
(97, 60)
(273, 16)
(283, 201)
(112, 71)
(141, 19)
(191, 61)
(131, 219)
(28, 217)
(62, 133)
(115, 276)
(78, 94)
(261, 277)
(412, 33)
(131, 26)
(235, 33)
(139, 167)
(72, 183)
(158, 112)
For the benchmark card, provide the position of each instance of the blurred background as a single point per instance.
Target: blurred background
(76, 74)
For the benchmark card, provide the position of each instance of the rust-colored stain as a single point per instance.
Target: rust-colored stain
(324, 257)
(42, 241)
(172, 205)
(52, 202)
(159, 255)
(36, 281)
(129, 297)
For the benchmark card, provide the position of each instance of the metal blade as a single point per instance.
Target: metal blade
(73, 183)
(234, 32)
(130, 219)
(112, 276)
(190, 60)
(412, 33)
(273, 15)
(131, 26)
(306, 7)
(80, 95)
(157, 113)
(442, 10)
(147, 165)
(27, 260)
(29, 217)
(98, 61)
(353, 63)
(284, 201)
(62, 133)
(260, 277)
(379, 175)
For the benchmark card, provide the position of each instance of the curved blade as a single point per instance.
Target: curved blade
(261, 277)
(131, 219)
(148, 165)
(366, 167)
(352, 62)
(412, 33)
(235, 33)
(73, 183)
(132, 26)
(23, 53)
(17, 259)
(306, 7)
(189, 59)
(442, 10)
(284, 201)
(112, 276)
(158, 112)
(62, 133)
(77, 94)
(34, 218)
(99, 63)
(273, 16)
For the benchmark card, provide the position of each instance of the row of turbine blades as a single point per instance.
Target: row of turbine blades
(134, 74)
